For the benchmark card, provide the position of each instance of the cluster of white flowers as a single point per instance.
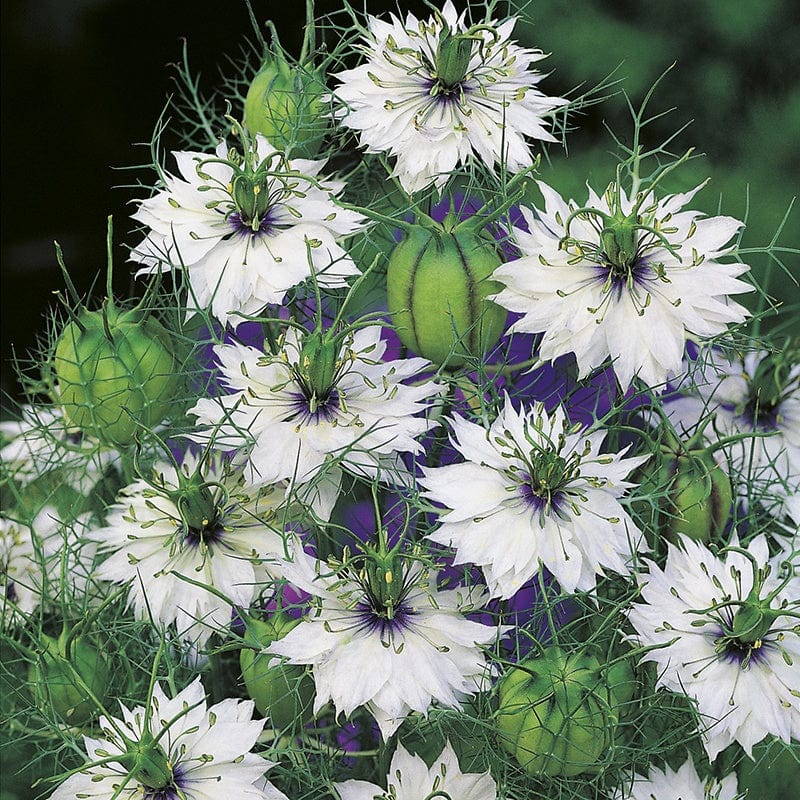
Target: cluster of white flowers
(231, 526)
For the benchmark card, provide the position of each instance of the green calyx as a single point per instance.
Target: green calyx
(753, 621)
(251, 198)
(438, 284)
(620, 241)
(772, 381)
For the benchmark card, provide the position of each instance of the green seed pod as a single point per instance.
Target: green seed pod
(285, 105)
(695, 494)
(56, 680)
(282, 692)
(111, 364)
(437, 284)
(558, 713)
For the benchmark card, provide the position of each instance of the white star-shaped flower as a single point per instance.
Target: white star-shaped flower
(211, 529)
(174, 749)
(299, 414)
(410, 778)
(727, 641)
(534, 492)
(681, 784)
(394, 660)
(622, 278)
(246, 229)
(434, 94)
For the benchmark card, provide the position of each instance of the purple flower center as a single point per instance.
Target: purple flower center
(375, 618)
(207, 535)
(267, 224)
(310, 409)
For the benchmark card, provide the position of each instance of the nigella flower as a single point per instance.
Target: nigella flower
(381, 634)
(324, 399)
(44, 561)
(625, 278)
(534, 492)
(246, 228)
(410, 778)
(42, 441)
(756, 393)
(199, 524)
(174, 749)
(434, 93)
(681, 784)
(725, 633)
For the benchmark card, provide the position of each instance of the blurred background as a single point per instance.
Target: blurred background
(84, 81)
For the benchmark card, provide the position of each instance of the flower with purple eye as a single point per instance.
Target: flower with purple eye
(245, 228)
(435, 94)
(197, 525)
(386, 638)
(625, 279)
(534, 492)
(319, 406)
(174, 749)
(723, 630)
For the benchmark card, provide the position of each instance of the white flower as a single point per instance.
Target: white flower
(41, 562)
(300, 412)
(753, 393)
(21, 571)
(725, 640)
(683, 784)
(534, 492)
(392, 658)
(409, 778)
(209, 528)
(42, 441)
(434, 93)
(622, 279)
(186, 751)
(246, 231)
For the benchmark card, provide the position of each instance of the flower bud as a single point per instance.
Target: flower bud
(285, 105)
(282, 692)
(437, 283)
(558, 713)
(58, 679)
(114, 369)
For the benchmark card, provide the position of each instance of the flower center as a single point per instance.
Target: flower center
(542, 486)
(205, 535)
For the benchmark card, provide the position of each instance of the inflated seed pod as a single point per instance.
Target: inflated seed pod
(59, 678)
(285, 105)
(558, 712)
(115, 372)
(282, 692)
(438, 280)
